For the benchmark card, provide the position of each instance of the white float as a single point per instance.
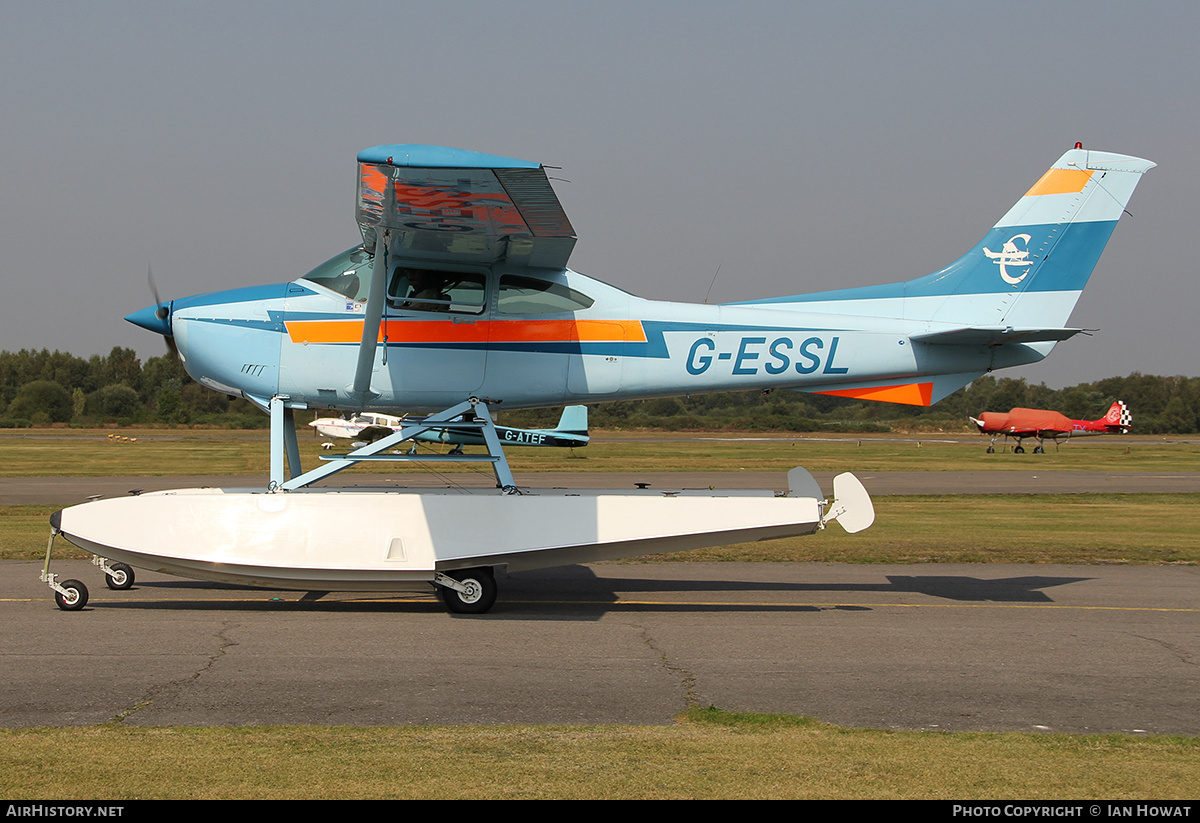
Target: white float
(358, 539)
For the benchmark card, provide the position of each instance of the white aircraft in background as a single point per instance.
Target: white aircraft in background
(366, 427)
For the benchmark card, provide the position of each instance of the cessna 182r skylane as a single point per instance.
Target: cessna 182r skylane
(459, 298)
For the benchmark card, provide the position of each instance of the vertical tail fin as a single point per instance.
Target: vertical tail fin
(1028, 271)
(1118, 417)
(1032, 266)
(573, 420)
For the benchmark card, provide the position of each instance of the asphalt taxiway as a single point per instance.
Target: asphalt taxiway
(952, 647)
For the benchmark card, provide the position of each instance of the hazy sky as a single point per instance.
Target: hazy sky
(796, 146)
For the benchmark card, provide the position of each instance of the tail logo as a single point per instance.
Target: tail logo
(1010, 255)
(1118, 415)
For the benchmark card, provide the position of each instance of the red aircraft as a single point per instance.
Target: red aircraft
(1040, 424)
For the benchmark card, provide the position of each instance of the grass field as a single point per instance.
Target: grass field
(707, 753)
(89, 452)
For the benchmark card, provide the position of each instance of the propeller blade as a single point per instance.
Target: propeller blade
(162, 312)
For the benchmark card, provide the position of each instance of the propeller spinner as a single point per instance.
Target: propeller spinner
(156, 318)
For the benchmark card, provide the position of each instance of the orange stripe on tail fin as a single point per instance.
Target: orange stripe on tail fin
(1061, 181)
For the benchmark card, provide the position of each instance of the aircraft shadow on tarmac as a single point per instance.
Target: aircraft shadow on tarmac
(1003, 590)
(582, 582)
(578, 593)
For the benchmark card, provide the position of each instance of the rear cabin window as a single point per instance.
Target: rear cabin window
(529, 295)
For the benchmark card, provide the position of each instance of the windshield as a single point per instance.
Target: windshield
(348, 274)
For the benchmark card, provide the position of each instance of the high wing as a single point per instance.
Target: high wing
(434, 206)
(455, 206)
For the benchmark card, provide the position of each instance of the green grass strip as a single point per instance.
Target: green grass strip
(707, 754)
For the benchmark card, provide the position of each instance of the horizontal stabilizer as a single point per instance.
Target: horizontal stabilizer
(993, 336)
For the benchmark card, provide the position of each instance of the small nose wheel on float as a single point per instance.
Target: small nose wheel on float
(70, 595)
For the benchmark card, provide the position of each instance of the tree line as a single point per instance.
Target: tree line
(42, 388)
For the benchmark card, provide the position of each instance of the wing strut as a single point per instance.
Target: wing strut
(374, 312)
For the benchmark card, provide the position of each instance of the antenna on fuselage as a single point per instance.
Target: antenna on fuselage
(714, 280)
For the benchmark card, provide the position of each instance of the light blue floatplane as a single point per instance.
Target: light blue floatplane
(459, 300)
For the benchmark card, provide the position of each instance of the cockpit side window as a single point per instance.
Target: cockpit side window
(530, 295)
(435, 290)
(348, 274)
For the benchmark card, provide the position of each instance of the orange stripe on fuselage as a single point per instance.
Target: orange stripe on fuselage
(910, 394)
(447, 331)
(1061, 181)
